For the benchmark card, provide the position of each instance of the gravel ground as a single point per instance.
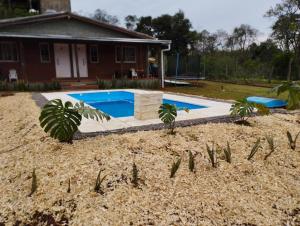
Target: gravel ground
(257, 192)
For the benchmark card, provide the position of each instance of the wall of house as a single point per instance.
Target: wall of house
(29, 66)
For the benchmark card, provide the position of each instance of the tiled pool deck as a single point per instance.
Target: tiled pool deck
(214, 109)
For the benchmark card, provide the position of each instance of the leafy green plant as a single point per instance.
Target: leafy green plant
(293, 90)
(227, 153)
(175, 167)
(292, 142)
(98, 183)
(272, 146)
(244, 109)
(33, 183)
(167, 114)
(254, 149)
(212, 153)
(63, 120)
(135, 177)
(191, 162)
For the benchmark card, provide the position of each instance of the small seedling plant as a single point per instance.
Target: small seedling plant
(175, 167)
(98, 183)
(292, 141)
(191, 162)
(227, 153)
(168, 114)
(254, 149)
(212, 153)
(33, 183)
(135, 177)
(69, 186)
(272, 146)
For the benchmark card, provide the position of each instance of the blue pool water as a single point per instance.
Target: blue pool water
(120, 103)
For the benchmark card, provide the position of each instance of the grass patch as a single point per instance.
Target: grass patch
(225, 91)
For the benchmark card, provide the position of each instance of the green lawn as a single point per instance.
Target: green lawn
(223, 90)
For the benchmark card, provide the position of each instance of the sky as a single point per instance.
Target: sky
(204, 14)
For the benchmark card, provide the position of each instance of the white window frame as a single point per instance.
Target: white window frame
(122, 54)
(90, 54)
(17, 51)
(41, 59)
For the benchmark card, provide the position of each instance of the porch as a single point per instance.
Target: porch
(37, 60)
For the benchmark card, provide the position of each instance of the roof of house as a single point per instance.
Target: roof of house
(69, 26)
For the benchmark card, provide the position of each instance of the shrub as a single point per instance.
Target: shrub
(33, 183)
(212, 155)
(227, 153)
(99, 181)
(63, 120)
(126, 83)
(175, 168)
(191, 162)
(135, 177)
(22, 85)
(254, 149)
(272, 147)
(292, 142)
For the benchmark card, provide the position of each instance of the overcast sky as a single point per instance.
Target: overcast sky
(204, 14)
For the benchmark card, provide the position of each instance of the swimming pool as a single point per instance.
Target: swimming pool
(120, 103)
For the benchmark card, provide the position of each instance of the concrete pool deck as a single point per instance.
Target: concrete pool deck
(215, 109)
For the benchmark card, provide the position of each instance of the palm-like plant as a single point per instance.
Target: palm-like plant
(63, 120)
(293, 90)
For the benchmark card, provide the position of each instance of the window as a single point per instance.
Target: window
(8, 51)
(44, 53)
(128, 54)
(94, 54)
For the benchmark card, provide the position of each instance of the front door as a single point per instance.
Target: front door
(62, 60)
(82, 61)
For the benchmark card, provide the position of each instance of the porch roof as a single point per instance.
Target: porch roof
(92, 39)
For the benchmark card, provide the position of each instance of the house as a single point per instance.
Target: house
(68, 47)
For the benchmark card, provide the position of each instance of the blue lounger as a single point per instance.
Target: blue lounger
(268, 102)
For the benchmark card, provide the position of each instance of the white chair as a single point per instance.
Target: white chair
(134, 74)
(13, 76)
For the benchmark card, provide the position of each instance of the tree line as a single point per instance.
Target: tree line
(227, 55)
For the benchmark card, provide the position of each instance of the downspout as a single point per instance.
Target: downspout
(163, 66)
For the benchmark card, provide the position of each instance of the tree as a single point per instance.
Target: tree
(171, 27)
(266, 53)
(131, 22)
(286, 29)
(207, 42)
(244, 35)
(103, 16)
(10, 10)
(144, 25)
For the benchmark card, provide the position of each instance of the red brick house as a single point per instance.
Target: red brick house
(65, 46)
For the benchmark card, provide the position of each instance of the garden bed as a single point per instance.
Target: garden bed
(245, 192)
